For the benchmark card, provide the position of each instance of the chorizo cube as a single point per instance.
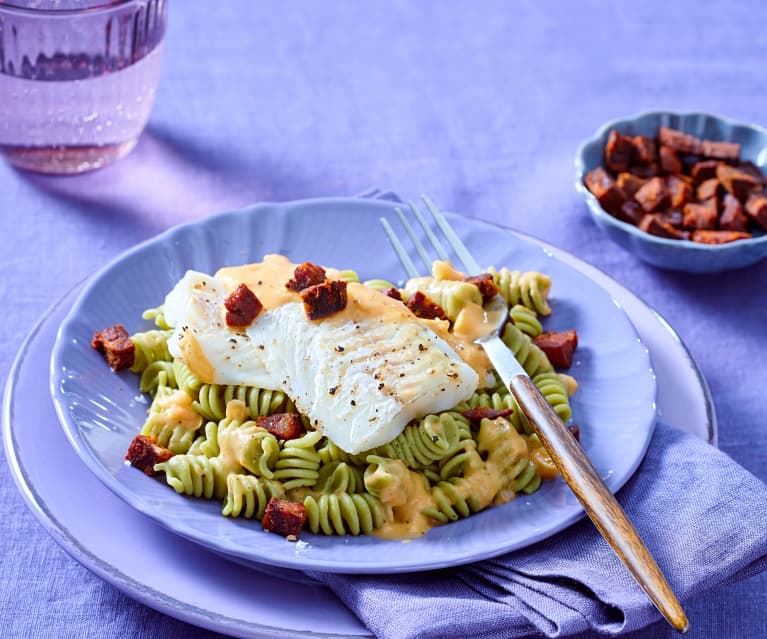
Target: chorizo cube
(729, 151)
(644, 172)
(558, 346)
(242, 307)
(701, 216)
(702, 171)
(324, 300)
(282, 425)
(679, 141)
(284, 517)
(756, 207)
(629, 183)
(704, 236)
(680, 192)
(708, 189)
(653, 196)
(618, 151)
(485, 283)
(115, 344)
(306, 275)
(736, 181)
(669, 160)
(143, 453)
(644, 151)
(752, 169)
(732, 217)
(631, 212)
(653, 225)
(423, 307)
(610, 197)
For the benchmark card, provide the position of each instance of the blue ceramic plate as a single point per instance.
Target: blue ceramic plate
(101, 411)
(679, 255)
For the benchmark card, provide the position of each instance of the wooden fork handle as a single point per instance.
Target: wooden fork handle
(598, 502)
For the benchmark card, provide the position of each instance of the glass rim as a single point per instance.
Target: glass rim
(15, 6)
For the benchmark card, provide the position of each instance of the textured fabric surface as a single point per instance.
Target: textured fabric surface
(482, 105)
(573, 582)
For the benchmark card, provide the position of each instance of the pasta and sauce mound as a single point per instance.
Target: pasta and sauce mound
(305, 398)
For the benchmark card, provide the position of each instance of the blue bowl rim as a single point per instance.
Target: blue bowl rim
(598, 212)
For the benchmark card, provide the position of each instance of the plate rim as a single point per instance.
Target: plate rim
(322, 564)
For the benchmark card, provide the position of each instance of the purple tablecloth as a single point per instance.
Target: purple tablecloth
(481, 105)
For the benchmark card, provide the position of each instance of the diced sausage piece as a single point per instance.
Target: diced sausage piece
(115, 344)
(653, 196)
(653, 225)
(644, 151)
(575, 430)
(284, 517)
(736, 181)
(558, 346)
(720, 150)
(701, 216)
(631, 212)
(144, 453)
(306, 275)
(485, 412)
(629, 183)
(242, 306)
(708, 189)
(732, 217)
(323, 300)
(618, 150)
(703, 171)
(423, 307)
(749, 167)
(669, 160)
(718, 237)
(610, 197)
(679, 141)
(756, 207)
(394, 293)
(485, 283)
(282, 425)
(679, 191)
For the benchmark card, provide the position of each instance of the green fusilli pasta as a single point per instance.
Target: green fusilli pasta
(531, 289)
(343, 514)
(247, 496)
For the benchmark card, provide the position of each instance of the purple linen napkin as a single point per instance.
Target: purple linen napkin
(701, 514)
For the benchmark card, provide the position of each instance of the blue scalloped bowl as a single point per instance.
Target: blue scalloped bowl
(678, 255)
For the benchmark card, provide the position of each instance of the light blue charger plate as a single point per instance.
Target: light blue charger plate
(101, 411)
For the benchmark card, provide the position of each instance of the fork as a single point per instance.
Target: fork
(571, 460)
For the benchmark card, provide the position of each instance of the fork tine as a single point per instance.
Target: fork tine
(416, 242)
(469, 263)
(404, 258)
(429, 234)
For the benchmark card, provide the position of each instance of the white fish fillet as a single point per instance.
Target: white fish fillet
(359, 382)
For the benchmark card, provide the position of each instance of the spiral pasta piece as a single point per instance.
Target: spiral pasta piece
(171, 423)
(526, 320)
(555, 392)
(155, 375)
(339, 477)
(158, 315)
(254, 448)
(348, 275)
(530, 288)
(343, 514)
(532, 358)
(206, 444)
(186, 380)
(212, 400)
(452, 500)
(195, 475)
(330, 452)
(379, 284)
(426, 440)
(149, 346)
(247, 496)
(299, 461)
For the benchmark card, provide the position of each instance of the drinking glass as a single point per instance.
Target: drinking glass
(77, 80)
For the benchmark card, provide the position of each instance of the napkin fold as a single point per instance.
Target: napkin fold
(701, 515)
